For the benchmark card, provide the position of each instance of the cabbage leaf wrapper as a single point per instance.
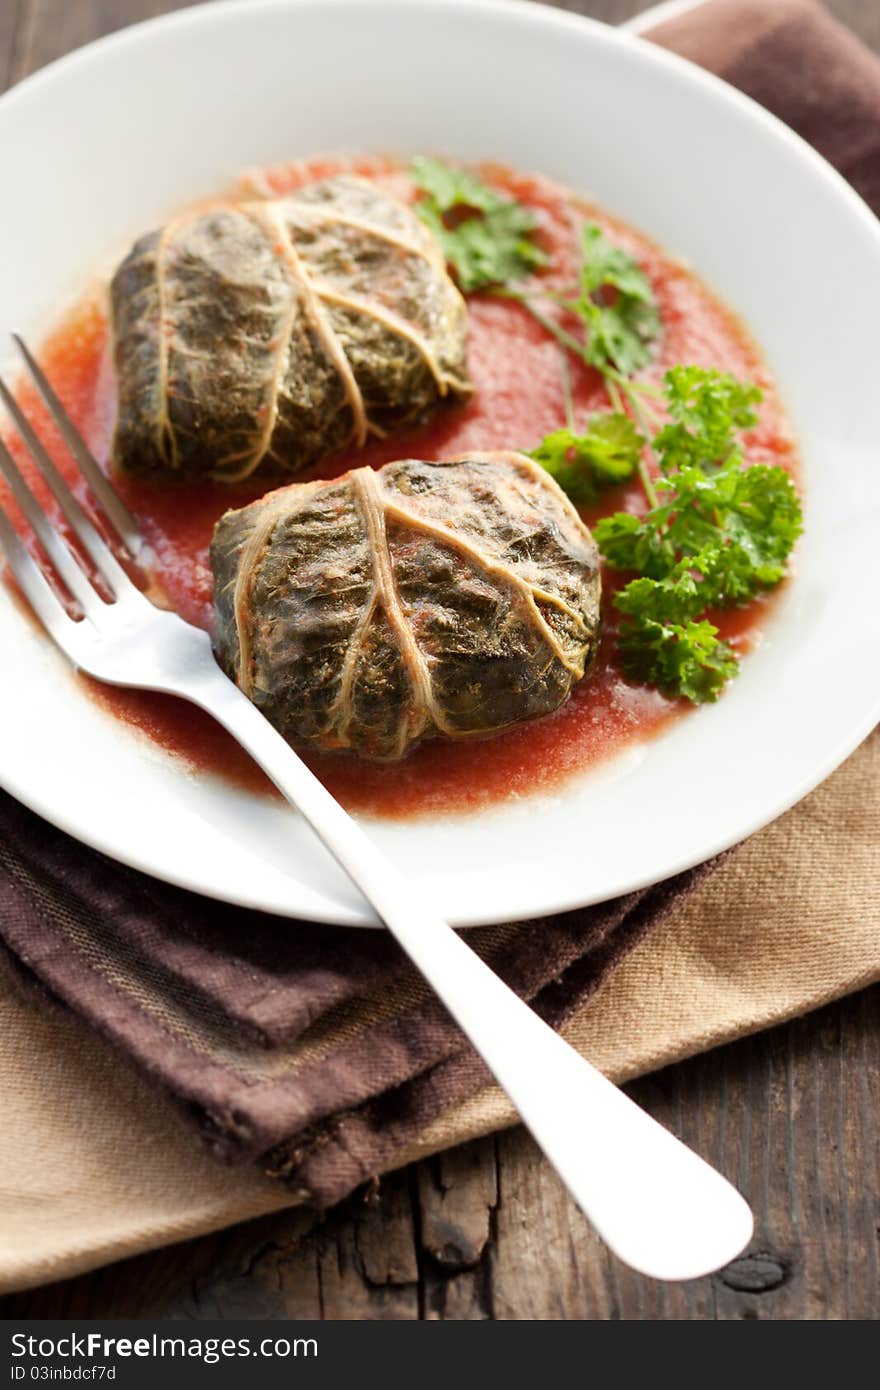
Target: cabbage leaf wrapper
(418, 600)
(266, 335)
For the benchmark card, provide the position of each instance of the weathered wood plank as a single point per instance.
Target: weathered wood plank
(368, 1263)
(458, 1193)
(458, 1199)
(47, 29)
(546, 1262)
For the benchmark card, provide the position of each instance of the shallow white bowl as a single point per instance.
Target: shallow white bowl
(102, 145)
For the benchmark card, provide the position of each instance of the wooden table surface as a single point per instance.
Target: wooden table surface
(486, 1231)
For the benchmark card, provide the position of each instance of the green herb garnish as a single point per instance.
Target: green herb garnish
(615, 315)
(662, 638)
(706, 496)
(616, 306)
(719, 533)
(485, 237)
(616, 320)
(607, 453)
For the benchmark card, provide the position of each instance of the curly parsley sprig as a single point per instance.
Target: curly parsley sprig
(720, 533)
(662, 638)
(717, 533)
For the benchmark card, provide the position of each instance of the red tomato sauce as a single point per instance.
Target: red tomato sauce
(516, 369)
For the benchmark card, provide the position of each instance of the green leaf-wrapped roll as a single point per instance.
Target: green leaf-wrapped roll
(418, 600)
(265, 335)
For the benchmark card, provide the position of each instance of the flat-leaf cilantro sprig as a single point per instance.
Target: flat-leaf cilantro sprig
(610, 324)
(616, 306)
(486, 238)
(609, 320)
(605, 454)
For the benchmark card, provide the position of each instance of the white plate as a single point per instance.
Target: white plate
(100, 146)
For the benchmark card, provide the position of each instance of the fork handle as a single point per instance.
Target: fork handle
(659, 1206)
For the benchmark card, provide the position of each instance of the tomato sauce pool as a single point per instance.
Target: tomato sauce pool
(516, 369)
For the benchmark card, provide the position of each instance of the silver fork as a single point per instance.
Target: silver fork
(661, 1208)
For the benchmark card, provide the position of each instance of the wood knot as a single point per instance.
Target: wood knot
(451, 1247)
(756, 1273)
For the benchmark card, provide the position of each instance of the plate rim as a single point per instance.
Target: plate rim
(525, 12)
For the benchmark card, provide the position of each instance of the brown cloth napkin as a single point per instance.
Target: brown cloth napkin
(318, 1052)
(793, 58)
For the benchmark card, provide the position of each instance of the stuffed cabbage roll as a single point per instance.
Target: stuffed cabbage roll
(266, 335)
(417, 600)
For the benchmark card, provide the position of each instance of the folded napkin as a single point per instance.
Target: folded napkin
(318, 1054)
(316, 1051)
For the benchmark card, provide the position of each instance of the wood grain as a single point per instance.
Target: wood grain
(486, 1231)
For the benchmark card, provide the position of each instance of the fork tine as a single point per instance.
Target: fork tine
(35, 587)
(63, 559)
(115, 509)
(104, 560)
